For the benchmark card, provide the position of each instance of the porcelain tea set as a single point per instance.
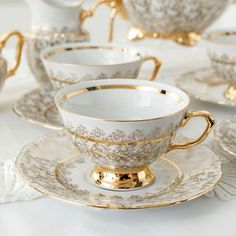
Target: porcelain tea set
(118, 147)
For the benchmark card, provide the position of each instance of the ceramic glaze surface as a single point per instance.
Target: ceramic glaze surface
(124, 104)
(94, 56)
(174, 16)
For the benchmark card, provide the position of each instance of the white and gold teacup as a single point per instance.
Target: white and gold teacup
(6, 72)
(124, 125)
(221, 47)
(73, 63)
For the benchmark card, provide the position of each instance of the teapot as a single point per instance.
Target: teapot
(180, 20)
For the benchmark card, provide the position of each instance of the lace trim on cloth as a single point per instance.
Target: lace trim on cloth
(12, 188)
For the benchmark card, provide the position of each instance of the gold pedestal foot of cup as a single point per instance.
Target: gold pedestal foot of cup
(230, 92)
(122, 179)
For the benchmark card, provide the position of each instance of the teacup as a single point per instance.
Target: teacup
(221, 47)
(6, 72)
(124, 125)
(73, 63)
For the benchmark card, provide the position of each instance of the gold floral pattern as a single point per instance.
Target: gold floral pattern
(117, 155)
(174, 16)
(38, 107)
(49, 174)
(60, 79)
(119, 135)
(39, 40)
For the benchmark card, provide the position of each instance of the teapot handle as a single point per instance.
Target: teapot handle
(89, 13)
(3, 41)
(157, 65)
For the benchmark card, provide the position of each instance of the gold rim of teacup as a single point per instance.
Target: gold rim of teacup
(57, 50)
(76, 92)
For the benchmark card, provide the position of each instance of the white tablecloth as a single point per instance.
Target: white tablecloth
(202, 216)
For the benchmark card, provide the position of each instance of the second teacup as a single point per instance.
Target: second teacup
(221, 47)
(73, 63)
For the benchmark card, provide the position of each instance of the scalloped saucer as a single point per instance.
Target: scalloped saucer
(51, 166)
(203, 84)
(37, 107)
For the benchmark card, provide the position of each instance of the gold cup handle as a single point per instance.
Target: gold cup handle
(157, 65)
(3, 41)
(210, 123)
(89, 13)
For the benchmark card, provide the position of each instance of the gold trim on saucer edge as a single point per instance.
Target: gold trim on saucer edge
(38, 123)
(121, 207)
(59, 137)
(180, 81)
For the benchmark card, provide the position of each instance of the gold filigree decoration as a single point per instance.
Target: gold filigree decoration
(136, 154)
(42, 38)
(60, 79)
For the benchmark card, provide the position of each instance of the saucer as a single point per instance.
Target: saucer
(38, 107)
(51, 166)
(205, 85)
(225, 135)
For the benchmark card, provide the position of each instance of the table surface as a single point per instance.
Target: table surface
(203, 216)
